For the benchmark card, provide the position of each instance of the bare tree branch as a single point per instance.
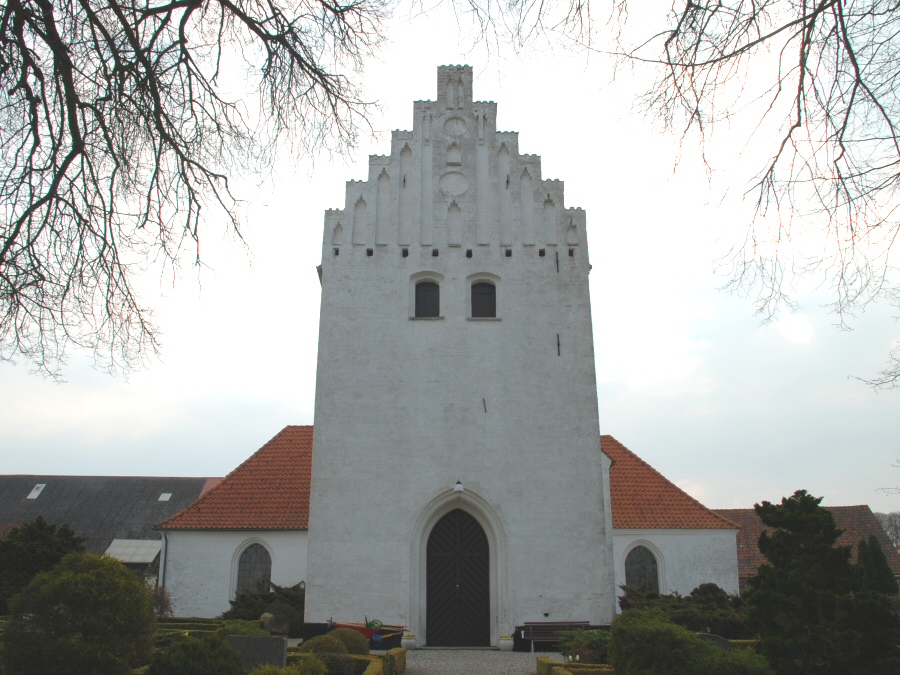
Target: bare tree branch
(117, 132)
(831, 183)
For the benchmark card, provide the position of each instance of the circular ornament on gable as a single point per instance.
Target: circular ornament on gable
(455, 126)
(454, 183)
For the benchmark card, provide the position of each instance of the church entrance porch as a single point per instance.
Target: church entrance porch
(458, 583)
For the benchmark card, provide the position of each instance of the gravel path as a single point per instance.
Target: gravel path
(471, 662)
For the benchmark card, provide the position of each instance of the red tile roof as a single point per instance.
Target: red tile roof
(857, 522)
(644, 499)
(270, 491)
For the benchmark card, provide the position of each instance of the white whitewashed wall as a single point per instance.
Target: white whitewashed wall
(200, 570)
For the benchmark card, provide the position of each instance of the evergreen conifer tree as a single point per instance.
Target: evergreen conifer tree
(807, 602)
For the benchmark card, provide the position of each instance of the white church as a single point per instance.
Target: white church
(455, 483)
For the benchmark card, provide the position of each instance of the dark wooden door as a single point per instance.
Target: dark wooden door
(458, 593)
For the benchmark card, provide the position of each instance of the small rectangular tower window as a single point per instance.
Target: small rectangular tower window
(484, 300)
(428, 299)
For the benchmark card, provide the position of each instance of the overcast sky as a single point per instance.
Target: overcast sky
(731, 410)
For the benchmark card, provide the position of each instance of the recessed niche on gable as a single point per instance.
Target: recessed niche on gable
(454, 155)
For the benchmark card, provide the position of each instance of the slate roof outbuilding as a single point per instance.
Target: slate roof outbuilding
(857, 523)
(269, 491)
(101, 508)
(644, 499)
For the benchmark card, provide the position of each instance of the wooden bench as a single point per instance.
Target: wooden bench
(548, 631)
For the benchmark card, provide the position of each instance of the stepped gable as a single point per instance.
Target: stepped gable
(269, 491)
(857, 523)
(643, 499)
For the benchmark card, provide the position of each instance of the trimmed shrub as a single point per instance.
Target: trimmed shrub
(544, 665)
(197, 656)
(376, 667)
(395, 661)
(338, 664)
(242, 627)
(306, 664)
(269, 669)
(589, 646)
(323, 644)
(353, 640)
(311, 666)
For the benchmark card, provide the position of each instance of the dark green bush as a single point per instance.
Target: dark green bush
(241, 627)
(708, 609)
(197, 656)
(89, 614)
(354, 641)
(590, 646)
(250, 605)
(323, 644)
(645, 642)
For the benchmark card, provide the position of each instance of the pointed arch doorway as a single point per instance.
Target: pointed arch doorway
(458, 583)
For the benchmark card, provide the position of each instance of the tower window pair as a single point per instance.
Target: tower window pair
(428, 300)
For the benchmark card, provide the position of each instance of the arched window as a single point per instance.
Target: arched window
(254, 567)
(428, 299)
(641, 571)
(484, 300)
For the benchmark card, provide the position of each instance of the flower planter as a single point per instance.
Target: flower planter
(505, 644)
(408, 642)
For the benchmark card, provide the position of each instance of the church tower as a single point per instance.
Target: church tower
(458, 486)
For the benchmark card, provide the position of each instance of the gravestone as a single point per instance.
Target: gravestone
(259, 651)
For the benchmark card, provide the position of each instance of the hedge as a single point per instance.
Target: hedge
(376, 667)
(395, 661)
